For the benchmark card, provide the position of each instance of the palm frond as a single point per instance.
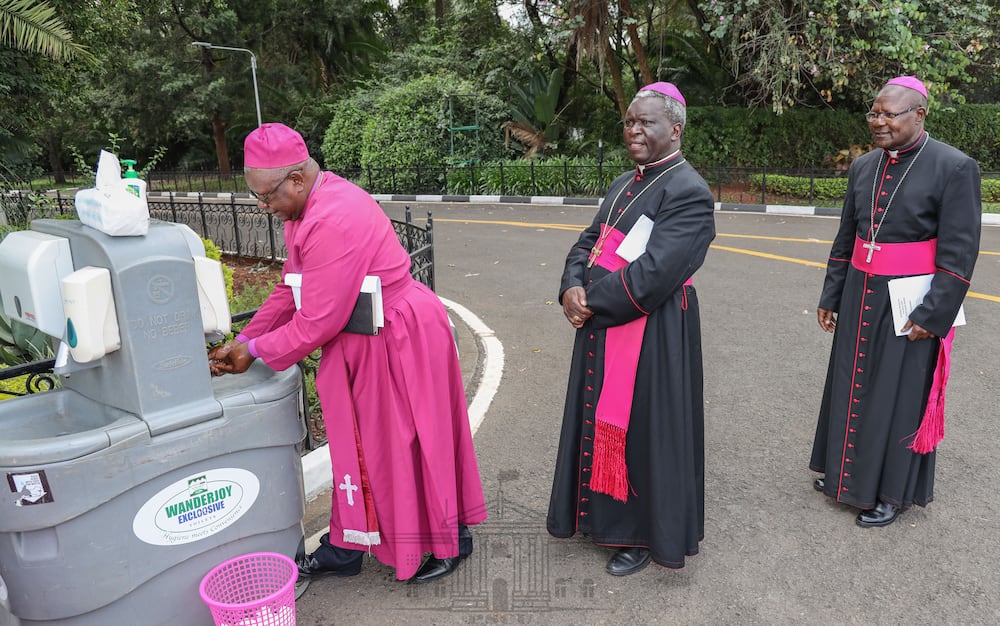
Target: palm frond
(33, 26)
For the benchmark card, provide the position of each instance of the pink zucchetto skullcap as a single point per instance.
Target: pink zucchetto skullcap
(668, 89)
(910, 82)
(273, 145)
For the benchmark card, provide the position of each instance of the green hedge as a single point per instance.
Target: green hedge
(798, 187)
(836, 188)
(409, 125)
(518, 177)
(991, 190)
(809, 137)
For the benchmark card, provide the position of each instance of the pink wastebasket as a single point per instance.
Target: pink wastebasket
(255, 589)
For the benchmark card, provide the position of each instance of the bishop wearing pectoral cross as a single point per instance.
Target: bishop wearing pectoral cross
(627, 290)
(882, 410)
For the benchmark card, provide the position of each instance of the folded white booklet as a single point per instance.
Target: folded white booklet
(368, 315)
(634, 243)
(373, 285)
(906, 294)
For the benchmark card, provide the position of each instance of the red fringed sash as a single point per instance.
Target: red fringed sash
(622, 345)
(614, 407)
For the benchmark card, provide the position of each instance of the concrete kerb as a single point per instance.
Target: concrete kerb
(775, 209)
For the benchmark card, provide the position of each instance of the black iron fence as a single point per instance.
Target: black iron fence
(235, 224)
(238, 228)
(570, 178)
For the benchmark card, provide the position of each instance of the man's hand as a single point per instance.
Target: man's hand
(575, 309)
(917, 332)
(827, 319)
(230, 358)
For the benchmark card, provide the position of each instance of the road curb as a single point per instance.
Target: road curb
(739, 207)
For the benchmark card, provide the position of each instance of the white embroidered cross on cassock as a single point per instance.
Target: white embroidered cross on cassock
(349, 488)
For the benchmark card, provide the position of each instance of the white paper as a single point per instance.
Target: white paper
(108, 206)
(295, 282)
(634, 243)
(906, 294)
(373, 285)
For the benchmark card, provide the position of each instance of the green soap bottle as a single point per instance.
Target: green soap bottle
(133, 184)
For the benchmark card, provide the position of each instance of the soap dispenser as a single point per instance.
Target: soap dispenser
(133, 184)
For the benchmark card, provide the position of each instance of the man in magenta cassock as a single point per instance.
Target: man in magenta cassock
(913, 207)
(630, 471)
(405, 477)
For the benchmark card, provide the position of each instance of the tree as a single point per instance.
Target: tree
(536, 124)
(33, 40)
(827, 51)
(32, 26)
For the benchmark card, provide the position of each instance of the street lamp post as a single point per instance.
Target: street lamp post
(253, 68)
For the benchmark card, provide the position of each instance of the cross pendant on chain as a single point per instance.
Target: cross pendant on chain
(594, 253)
(871, 247)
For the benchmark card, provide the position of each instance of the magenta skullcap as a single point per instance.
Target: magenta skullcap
(668, 89)
(273, 145)
(910, 82)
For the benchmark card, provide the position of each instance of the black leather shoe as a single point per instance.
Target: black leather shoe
(882, 515)
(309, 566)
(435, 568)
(628, 561)
(819, 484)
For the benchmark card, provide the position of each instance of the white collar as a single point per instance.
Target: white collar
(642, 168)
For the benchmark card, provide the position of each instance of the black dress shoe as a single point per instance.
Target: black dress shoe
(882, 515)
(628, 561)
(435, 568)
(309, 566)
(819, 484)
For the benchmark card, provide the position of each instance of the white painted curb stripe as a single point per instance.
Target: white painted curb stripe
(784, 209)
(492, 363)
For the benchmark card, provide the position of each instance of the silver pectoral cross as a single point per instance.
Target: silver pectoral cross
(871, 247)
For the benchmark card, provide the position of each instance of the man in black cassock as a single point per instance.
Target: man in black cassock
(630, 468)
(913, 207)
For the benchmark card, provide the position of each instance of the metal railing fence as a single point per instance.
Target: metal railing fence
(568, 178)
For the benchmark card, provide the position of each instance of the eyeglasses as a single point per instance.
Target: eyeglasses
(871, 116)
(640, 122)
(265, 198)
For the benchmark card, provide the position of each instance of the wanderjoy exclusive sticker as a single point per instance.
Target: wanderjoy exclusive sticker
(196, 507)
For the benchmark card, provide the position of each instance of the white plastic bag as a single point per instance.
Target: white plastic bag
(108, 206)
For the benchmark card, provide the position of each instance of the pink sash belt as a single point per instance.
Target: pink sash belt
(895, 259)
(904, 259)
(622, 345)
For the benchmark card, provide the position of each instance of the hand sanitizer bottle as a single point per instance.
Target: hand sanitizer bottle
(133, 184)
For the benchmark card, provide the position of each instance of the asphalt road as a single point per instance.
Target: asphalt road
(775, 551)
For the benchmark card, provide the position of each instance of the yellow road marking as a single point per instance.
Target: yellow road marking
(763, 255)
